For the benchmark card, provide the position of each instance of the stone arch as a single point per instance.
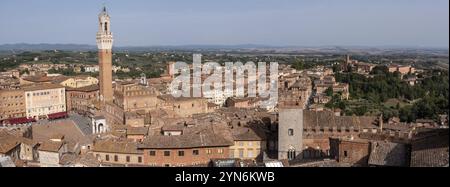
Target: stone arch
(100, 128)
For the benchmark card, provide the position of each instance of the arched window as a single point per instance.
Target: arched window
(100, 128)
(291, 154)
(106, 26)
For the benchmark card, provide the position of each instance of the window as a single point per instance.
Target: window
(107, 158)
(152, 153)
(128, 158)
(291, 154)
(220, 151)
(241, 153)
(180, 153)
(231, 153)
(250, 153)
(166, 153)
(140, 159)
(208, 151)
(195, 152)
(345, 154)
(291, 132)
(116, 158)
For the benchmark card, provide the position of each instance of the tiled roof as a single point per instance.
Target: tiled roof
(72, 134)
(388, 154)
(90, 88)
(193, 140)
(116, 146)
(88, 160)
(41, 86)
(37, 79)
(431, 151)
(248, 134)
(170, 98)
(50, 146)
(137, 130)
(329, 119)
(7, 142)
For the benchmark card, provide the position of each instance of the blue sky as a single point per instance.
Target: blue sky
(229, 22)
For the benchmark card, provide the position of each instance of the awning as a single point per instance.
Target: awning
(58, 115)
(16, 121)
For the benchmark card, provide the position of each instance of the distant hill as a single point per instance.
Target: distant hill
(43, 47)
(17, 48)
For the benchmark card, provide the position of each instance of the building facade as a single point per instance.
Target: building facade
(42, 100)
(12, 104)
(184, 150)
(290, 134)
(118, 152)
(82, 99)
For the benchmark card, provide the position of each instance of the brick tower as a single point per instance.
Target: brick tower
(104, 43)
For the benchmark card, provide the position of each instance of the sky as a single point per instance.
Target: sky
(419, 23)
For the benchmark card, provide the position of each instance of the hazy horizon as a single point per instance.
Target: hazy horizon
(305, 23)
(241, 45)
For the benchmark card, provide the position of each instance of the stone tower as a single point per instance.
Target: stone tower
(290, 134)
(104, 44)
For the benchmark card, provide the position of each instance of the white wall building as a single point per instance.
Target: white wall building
(44, 99)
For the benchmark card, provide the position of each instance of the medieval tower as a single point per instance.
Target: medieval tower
(104, 44)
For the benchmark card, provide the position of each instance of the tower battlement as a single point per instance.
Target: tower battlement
(104, 35)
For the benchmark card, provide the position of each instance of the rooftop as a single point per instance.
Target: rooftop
(41, 86)
(7, 142)
(200, 139)
(116, 146)
(51, 146)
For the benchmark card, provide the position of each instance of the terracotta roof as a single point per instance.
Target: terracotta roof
(41, 86)
(50, 146)
(194, 140)
(431, 151)
(137, 130)
(7, 142)
(87, 160)
(57, 136)
(174, 127)
(37, 79)
(59, 79)
(212, 105)
(388, 154)
(247, 134)
(329, 119)
(27, 141)
(90, 88)
(170, 98)
(68, 128)
(116, 146)
(8, 137)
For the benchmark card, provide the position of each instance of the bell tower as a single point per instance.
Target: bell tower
(104, 44)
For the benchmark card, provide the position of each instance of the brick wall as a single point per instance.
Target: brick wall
(174, 159)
